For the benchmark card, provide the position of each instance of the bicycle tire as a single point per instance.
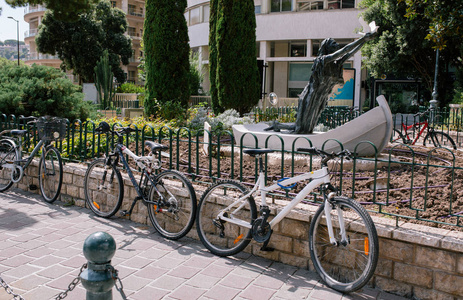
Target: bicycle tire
(102, 195)
(345, 268)
(174, 218)
(439, 139)
(233, 238)
(398, 137)
(8, 155)
(50, 174)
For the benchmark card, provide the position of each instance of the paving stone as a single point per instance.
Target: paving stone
(257, 293)
(222, 293)
(168, 282)
(187, 292)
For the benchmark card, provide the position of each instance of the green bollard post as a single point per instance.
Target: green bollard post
(99, 248)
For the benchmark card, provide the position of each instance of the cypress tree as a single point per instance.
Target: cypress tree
(166, 53)
(233, 62)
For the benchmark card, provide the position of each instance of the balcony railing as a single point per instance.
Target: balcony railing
(136, 12)
(30, 9)
(35, 55)
(31, 32)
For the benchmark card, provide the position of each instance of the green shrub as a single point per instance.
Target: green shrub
(130, 88)
(39, 91)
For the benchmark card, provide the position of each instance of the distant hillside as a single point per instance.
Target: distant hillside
(9, 50)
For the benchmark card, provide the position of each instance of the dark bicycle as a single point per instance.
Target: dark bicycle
(13, 166)
(169, 195)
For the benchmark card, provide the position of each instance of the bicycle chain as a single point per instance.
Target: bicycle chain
(9, 290)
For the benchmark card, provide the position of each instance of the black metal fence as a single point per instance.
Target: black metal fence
(402, 182)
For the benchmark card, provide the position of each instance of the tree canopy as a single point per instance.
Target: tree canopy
(63, 10)
(166, 53)
(80, 44)
(404, 48)
(445, 19)
(233, 61)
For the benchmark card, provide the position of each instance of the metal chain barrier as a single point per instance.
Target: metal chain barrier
(117, 280)
(72, 285)
(9, 290)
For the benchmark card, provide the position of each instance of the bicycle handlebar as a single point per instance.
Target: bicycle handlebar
(325, 155)
(28, 120)
(104, 128)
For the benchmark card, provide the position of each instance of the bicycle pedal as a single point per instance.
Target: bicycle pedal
(124, 213)
(33, 187)
(267, 249)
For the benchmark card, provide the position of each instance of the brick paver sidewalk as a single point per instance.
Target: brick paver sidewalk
(41, 253)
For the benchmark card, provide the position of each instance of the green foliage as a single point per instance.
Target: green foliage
(131, 88)
(200, 114)
(39, 91)
(196, 77)
(104, 80)
(233, 64)
(166, 53)
(171, 110)
(64, 10)
(6, 62)
(445, 19)
(403, 49)
(80, 44)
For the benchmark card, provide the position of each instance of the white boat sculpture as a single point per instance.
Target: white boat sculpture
(374, 126)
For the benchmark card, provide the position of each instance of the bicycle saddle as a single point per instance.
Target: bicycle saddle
(254, 152)
(18, 132)
(155, 146)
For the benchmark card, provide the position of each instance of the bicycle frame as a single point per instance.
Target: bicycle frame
(121, 150)
(317, 178)
(425, 125)
(18, 150)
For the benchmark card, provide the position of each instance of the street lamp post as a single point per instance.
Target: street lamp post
(17, 33)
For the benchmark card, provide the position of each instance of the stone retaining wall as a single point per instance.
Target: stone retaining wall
(415, 261)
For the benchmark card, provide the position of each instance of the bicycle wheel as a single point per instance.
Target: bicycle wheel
(345, 267)
(175, 215)
(7, 156)
(220, 237)
(103, 188)
(398, 137)
(439, 139)
(50, 174)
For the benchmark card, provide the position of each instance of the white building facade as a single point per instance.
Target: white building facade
(289, 33)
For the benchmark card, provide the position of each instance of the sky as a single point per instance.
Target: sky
(8, 27)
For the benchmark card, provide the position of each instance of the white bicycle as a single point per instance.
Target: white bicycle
(342, 237)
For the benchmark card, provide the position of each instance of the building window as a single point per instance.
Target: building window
(300, 72)
(297, 49)
(131, 31)
(206, 13)
(309, 5)
(195, 16)
(280, 5)
(113, 4)
(336, 4)
(257, 9)
(348, 4)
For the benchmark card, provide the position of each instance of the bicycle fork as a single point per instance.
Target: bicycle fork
(329, 223)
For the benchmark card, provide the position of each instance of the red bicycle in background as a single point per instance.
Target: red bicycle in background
(410, 134)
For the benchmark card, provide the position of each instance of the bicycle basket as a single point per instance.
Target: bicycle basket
(51, 128)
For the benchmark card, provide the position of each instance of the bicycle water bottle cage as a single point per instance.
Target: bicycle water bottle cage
(284, 186)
